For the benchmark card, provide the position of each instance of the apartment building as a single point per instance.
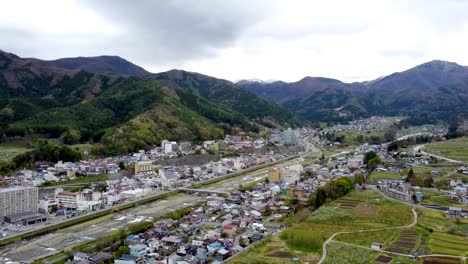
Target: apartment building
(15, 200)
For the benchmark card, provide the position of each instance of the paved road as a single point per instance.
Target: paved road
(54, 242)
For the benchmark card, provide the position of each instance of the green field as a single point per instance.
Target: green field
(8, 152)
(340, 253)
(443, 235)
(456, 149)
(357, 211)
(383, 175)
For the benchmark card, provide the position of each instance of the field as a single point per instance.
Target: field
(340, 253)
(357, 211)
(8, 152)
(443, 235)
(383, 175)
(456, 149)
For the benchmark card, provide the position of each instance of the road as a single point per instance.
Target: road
(53, 243)
(420, 147)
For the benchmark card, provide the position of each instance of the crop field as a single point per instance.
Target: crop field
(385, 237)
(405, 243)
(456, 149)
(271, 250)
(443, 235)
(341, 253)
(9, 152)
(441, 260)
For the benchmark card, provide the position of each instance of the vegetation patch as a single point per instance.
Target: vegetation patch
(456, 149)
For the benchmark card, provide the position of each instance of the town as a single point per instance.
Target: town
(272, 177)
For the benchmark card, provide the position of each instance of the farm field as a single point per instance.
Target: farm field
(443, 235)
(456, 149)
(8, 152)
(357, 211)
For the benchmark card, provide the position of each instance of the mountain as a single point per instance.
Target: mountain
(120, 113)
(435, 90)
(229, 95)
(314, 98)
(111, 65)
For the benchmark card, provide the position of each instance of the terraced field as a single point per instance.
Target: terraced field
(406, 242)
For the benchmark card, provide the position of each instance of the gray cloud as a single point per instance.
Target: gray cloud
(174, 31)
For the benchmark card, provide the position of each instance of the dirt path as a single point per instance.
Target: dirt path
(420, 148)
(330, 239)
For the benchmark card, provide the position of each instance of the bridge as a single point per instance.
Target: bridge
(187, 190)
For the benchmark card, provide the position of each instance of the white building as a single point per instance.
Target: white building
(16, 200)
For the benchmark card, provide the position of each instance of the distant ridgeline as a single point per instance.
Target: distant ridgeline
(121, 107)
(428, 93)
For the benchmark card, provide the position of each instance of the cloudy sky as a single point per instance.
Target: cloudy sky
(238, 39)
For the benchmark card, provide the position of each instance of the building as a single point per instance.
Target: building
(17, 200)
(275, 175)
(68, 200)
(376, 245)
(142, 166)
(25, 218)
(454, 212)
(47, 206)
(169, 147)
(288, 137)
(292, 174)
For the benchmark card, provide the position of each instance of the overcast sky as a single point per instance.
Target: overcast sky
(241, 39)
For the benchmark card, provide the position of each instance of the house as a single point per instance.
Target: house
(229, 229)
(213, 247)
(172, 240)
(464, 199)
(137, 250)
(126, 259)
(100, 258)
(454, 212)
(376, 245)
(222, 255)
(78, 256)
(133, 239)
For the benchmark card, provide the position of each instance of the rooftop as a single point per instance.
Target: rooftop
(16, 188)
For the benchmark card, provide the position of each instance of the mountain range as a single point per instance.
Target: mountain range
(435, 90)
(110, 101)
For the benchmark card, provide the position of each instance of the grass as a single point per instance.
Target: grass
(340, 253)
(8, 152)
(383, 175)
(371, 211)
(366, 238)
(456, 149)
(443, 235)
(80, 179)
(442, 201)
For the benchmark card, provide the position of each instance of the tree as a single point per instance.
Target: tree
(391, 133)
(393, 146)
(369, 155)
(359, 179)
(360, 139)
(71, 137)
(411, 177)
(428, 182)
(373, 163)
(122, 165)
(320, 197)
